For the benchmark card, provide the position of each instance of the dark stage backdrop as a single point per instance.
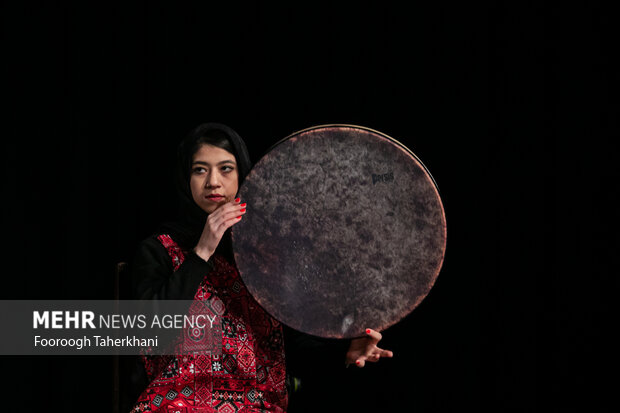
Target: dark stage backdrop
(98, 96)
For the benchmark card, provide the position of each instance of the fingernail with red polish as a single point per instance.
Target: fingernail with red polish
(242, 205)
(243, 210)
(237, 199)
(239, 217)
(367, 331)
(357, 362)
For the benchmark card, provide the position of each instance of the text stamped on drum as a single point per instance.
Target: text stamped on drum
(388, 177)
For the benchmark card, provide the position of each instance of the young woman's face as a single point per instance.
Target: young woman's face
(214, 178)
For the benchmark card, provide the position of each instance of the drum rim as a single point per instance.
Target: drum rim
(365, 128)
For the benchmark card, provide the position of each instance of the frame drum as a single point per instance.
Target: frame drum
(345, 231)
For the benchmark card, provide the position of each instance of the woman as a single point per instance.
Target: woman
(192, 259)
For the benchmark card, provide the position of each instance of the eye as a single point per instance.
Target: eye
(198, 170)
(227, 168)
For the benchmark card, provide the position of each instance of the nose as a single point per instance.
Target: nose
(213, 180)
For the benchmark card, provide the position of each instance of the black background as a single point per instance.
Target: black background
(512, 106)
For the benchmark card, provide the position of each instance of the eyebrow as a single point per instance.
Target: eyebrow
(219, 163)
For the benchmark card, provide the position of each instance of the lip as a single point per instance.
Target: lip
(215, 197)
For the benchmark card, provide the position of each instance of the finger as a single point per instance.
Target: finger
(224, 225)
(387, 353)
(383, 353)
(375, 335)
(360, 362)
(221, 222)
(232, 214)
(226, 212)
(229, 208)
(235, 211)
(373, 358)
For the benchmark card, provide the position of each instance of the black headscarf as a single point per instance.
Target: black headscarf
(188, 226)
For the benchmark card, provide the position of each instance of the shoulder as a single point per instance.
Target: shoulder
(152, 243)
(164, 249)
(156, 247)
(160, 241)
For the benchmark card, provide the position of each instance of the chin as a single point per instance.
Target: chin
(211, 208)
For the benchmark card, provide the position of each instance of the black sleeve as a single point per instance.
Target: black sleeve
(153, 277)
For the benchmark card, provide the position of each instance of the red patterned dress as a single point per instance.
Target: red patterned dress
(248, 376)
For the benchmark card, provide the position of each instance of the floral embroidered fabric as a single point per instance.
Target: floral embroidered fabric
(249, 373)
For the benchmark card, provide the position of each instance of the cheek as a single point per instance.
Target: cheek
(234, 185)
(195, 188)
(231, 182)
